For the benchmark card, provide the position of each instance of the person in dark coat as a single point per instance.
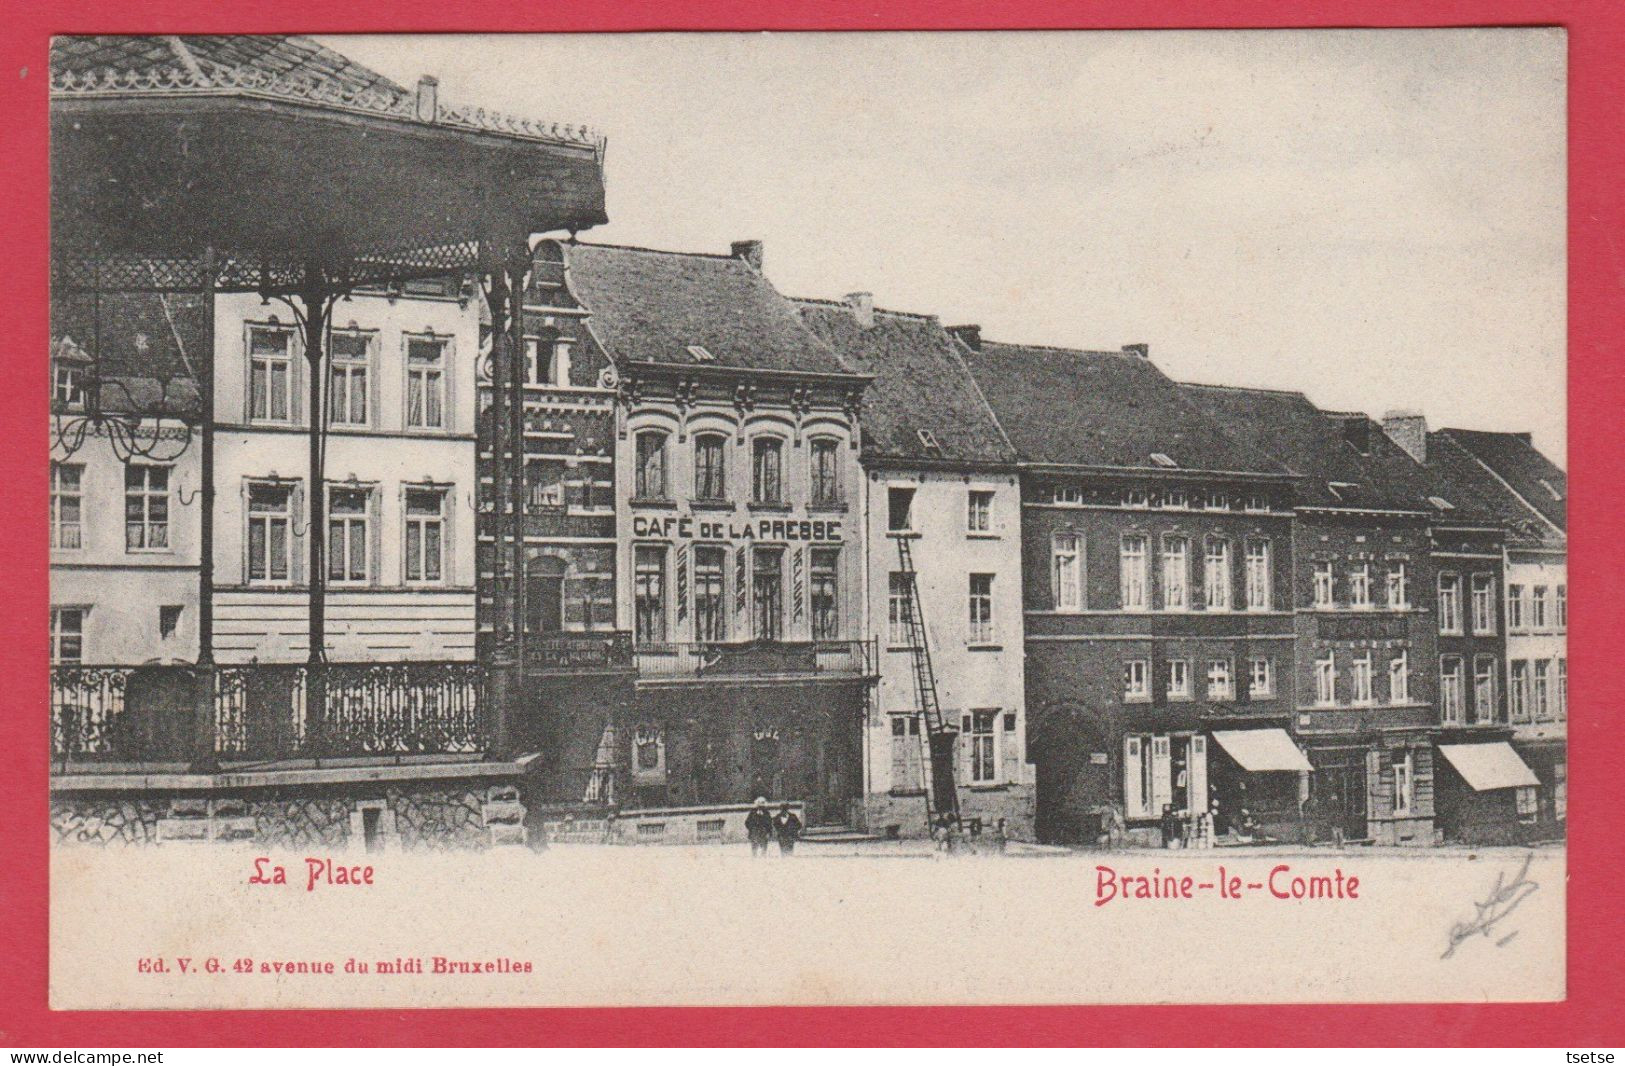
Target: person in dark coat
(759, 827)
(787, 827)
(1170, 826)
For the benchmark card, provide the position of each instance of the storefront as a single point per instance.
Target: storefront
(1256, 783)
(1486, 794)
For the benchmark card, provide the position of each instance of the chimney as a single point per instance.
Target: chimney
(428, 99)
(1141, 350)
(969, 336)
(749, 251)
(863, 308)
(1409, 430)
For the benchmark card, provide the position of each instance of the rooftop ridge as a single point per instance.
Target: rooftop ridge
(842, 305)
(1250, 388)
(1058, 349)
(611, 245)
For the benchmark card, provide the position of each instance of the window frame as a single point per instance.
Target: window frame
(894, 493)
(1258, 575)
(1404, 769)
(1221, 680)
(1182, 689)
(438, 374)
(1325, 673)
(349, 367)
(1221, 590)
(1134, 572)
(1516, 620)
(1323, 579)
(289, 363)
(420, 523)
(1136, 680)
(1176, 564)
(651, 601)
(979, 512)
(760, 572)
(1450, 621)
(59, 495)
(761, 446)
(710, 467)
(59, 611)
(1266, 690)
(981, 627)
(899, 610)
(1362, 692)
(824, 482)
(1399, 668)
(1058, 586)
(1359, 585)
(1518, 704)
(350, 522)
(148, 497)
(825, 624)
(1481, 603)
(1452, 690)
(710, 592)
(984, 744)
(288, 516)
(1398, 586)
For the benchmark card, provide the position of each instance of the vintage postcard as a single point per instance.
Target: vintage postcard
(963, 518)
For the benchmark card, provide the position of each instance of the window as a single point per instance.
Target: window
(907, 757)
(270, 374)
(1216, 501)
(649, 477)
(1147, 775)
(347, 379)
(1483, 593)
(766, 482)
(1066, 571)
(1540, 701)
(1136, 679)
(1404, 778)
(270, 531)
(649, 592)
(1220, 684)
(1449, 603)
(426, 382)
(1360, 586)
(349, 538)
(1176, 569)
(767, 588)
(1450, 689)
(1258, 503)
(1528, 800)
(1323, 583)
(1399, 678)
(1216, 574)
(425, 534)
(1360, 679)
(826, 624)
(67, 505)
(554, 369)
(1136, 498)
(900, 611)
(899, 509)
(1258, 575)
(1562, 608)
(1518, 691)
(1515, 619)
(68, 385)
(1563, 687)
(983, 761)
(710, 467)
(67, 634)
(1326, 680)
(146, 508)
(1560, 790)
(545, 480)
(1260, 678)
(1133, 572)
(1399, 590)
(1537, 608)
(1179, 679)
(1176, 499)
(981, 609)
(1069, 495)
(826, 472)
(169, 621)
(979, 511)
(710, 593)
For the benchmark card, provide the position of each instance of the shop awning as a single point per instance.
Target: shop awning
(1262, 749)
(1489, 766)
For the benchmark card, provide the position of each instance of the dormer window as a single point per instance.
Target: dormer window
(69, 385)
(928, 441)
(1162, 460)
(701, 353)
(1441, 503)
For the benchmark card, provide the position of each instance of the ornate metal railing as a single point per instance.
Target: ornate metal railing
(349, 709)
(264, 712)
(661, 659)
(121, 713)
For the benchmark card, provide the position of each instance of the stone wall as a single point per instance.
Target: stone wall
(439, 814)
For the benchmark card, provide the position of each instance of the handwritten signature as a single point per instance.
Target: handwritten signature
(1502, 901)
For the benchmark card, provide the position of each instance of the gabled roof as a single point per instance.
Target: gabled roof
(1345, 459)
(658, 307)
(922, 393)
(1463, 476)
(1540, 484)
(1067, 407)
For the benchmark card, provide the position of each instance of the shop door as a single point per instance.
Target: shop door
(1339, 794)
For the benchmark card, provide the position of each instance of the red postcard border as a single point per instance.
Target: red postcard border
(1596, 976)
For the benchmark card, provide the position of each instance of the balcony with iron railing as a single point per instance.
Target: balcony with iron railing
(755, 661)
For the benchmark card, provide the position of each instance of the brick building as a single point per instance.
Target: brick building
(940, 475)
(1367, 631)
(1157, 553)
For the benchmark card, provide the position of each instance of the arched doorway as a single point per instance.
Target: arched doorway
(1074, 765)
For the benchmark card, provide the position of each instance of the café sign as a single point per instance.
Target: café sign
(687, 527)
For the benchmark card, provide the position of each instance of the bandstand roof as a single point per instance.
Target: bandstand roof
(282, 156)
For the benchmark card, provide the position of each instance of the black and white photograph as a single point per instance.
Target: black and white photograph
(867, 518)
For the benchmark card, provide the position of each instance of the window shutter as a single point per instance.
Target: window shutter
(1162, 785)
(1196, 775)
(1132, 770)
(1009, 751)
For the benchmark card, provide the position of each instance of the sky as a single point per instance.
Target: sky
(1375, 218)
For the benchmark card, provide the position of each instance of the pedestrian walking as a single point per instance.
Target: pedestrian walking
(1170, 826)
(759, 827)
(787, 827)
